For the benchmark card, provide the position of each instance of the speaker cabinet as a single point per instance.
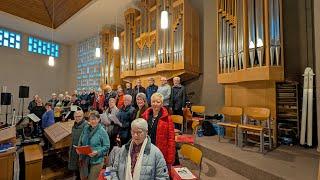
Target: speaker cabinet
(23, 91)
(5, 98)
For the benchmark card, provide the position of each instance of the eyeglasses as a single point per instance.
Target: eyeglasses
(138, 133)
(78, 116)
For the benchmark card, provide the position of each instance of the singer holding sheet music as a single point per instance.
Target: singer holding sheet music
(97, 138)
(77, 129)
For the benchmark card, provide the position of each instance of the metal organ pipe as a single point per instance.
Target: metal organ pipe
(259, 30)
(252, 30)
(240, 33)
(274, 23)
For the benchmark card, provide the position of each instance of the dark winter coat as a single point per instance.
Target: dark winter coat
(178, 97)
(125, 115)
(111, 94)
(150, 90)
(75, 135)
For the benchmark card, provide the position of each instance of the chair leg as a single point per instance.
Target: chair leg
(261, 142)
(235, 136)
(245, 137)
(270, 139)
(219, 134)
(240, 138)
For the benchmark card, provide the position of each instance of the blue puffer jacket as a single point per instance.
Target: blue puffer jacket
(153, 163)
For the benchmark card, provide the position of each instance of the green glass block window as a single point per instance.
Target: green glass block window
(39, 46)
(10, 39)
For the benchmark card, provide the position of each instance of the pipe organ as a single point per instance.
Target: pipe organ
(148, 50)
(111, 63)
(250, 37)
(250, 53)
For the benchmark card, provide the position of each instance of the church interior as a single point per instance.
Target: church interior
(236, 82)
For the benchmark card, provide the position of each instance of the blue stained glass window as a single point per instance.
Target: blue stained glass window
(43, 47)
(10, 39)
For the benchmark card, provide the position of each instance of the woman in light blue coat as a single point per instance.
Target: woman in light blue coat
(139, 159)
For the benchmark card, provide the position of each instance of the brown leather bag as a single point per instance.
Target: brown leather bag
(187, 114)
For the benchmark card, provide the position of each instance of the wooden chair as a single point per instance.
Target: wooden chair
(188, 138)
(177, 119)
(199, 110)
(192, 153)
(231, 113)
(195, 126)
(260, 115)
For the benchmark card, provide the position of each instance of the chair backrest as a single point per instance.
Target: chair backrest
(177, 119)
(198, 109)
(192, 153)
(232, 111)
(257, 113)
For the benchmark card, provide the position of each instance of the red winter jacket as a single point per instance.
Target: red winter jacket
(165, 135)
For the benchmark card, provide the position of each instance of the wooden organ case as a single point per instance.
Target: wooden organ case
(250, 52)
(149, 51)
(111, 64)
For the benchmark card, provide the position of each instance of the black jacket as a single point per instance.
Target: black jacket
(178, 97)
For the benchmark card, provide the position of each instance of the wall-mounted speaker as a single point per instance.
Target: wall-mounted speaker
(23, 91)
(5, 98)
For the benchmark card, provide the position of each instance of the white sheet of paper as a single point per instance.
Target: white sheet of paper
(114, 119)
(184, 173)
(74, 108)
(33, 117)
(67, 115)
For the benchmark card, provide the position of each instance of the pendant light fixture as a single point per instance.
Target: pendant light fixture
(51, 58)
(98, 50)
(164, 21)
(116, 41)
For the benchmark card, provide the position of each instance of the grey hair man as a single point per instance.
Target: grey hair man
(178, 97)
(165, 90)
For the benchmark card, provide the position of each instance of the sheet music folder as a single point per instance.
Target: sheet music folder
(85, 150)
(33, 117)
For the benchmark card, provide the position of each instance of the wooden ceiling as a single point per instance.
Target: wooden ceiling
(41, 11)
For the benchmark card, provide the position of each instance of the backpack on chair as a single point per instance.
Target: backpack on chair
(208, 129)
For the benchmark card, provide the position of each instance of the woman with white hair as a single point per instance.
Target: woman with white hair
(125, 115)
(161, 128)
(139, 159)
